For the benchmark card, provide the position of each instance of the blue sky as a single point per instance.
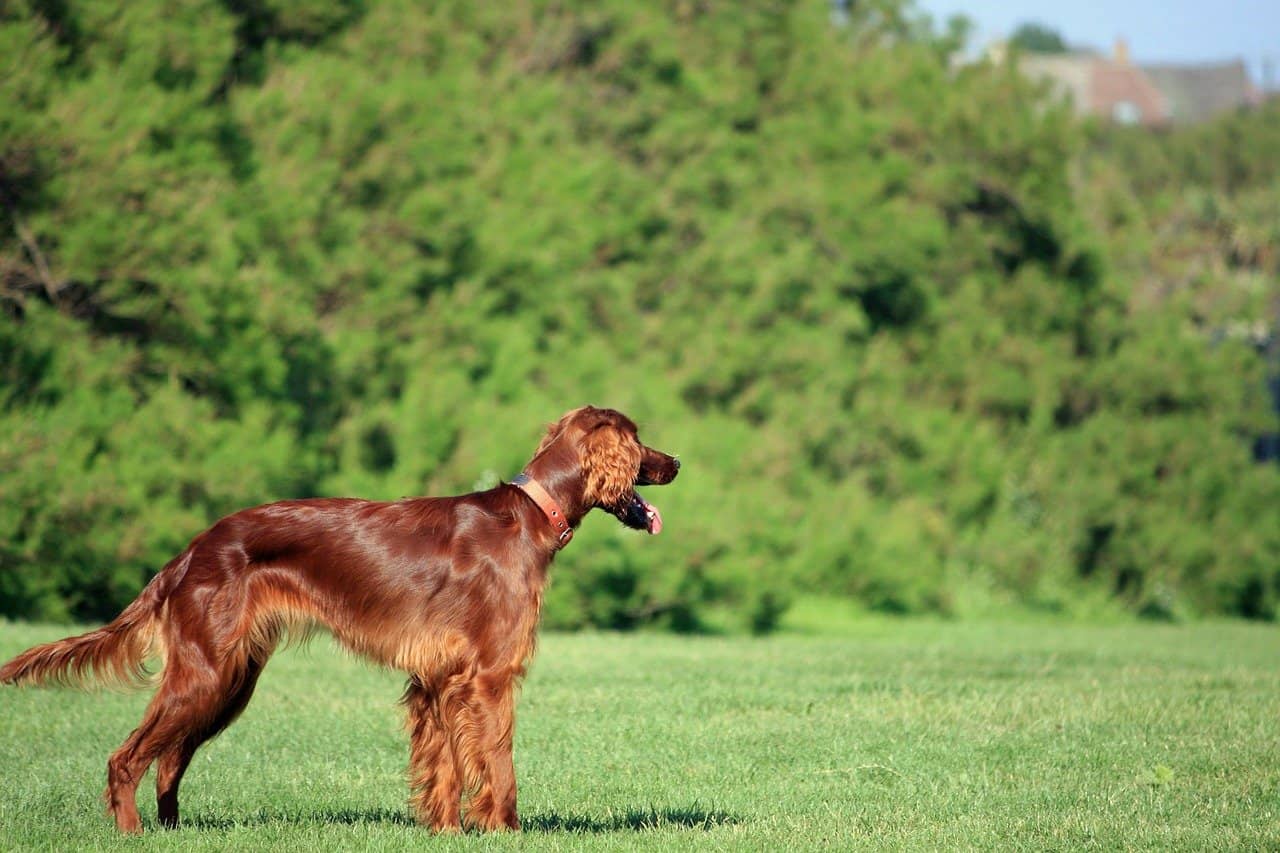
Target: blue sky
(1157, 30)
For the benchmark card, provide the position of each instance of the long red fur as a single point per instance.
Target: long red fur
(446, 589)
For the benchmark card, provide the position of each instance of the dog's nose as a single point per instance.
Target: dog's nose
(676, 462)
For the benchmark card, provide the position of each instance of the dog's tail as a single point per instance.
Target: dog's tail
(116, 653)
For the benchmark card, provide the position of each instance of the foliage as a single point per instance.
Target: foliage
(886, 308)
(1233, 156)
(1038, 38)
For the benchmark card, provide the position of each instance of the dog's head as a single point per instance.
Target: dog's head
(612, 462)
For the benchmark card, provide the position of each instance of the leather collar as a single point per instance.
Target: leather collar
(548, 505)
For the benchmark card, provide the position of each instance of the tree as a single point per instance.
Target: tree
(1038, 38)
(285, 253)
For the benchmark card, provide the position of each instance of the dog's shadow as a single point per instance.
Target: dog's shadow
(630, 820)
(347, 817)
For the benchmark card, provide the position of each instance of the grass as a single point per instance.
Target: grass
(920, 735)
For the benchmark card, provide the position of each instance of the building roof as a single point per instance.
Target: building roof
(1101, 86)
(1196, 93)
(1125, 94)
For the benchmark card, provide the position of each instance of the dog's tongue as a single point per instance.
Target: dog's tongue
(655, 517)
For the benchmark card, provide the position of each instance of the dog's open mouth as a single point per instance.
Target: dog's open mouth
(652, 516)
(641, 515)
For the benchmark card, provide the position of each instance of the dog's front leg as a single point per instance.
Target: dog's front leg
(433, 772)
(490, 732)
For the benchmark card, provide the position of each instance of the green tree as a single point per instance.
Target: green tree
(1038, 38)
(921, 339)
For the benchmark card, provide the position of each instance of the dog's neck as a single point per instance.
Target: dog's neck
(549, 505)
(558, 469)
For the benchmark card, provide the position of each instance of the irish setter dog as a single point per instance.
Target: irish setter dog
(446, 589)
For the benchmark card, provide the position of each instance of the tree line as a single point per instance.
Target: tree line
(923, 340)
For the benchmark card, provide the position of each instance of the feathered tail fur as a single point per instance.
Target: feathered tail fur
(113, 654)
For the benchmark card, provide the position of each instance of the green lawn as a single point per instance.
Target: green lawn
(895, 734)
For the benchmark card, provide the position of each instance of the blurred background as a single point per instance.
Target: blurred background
(956, 308)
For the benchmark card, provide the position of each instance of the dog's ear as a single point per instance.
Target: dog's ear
(555, 430)
(611, 460)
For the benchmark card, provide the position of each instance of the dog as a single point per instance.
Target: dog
(446, 589)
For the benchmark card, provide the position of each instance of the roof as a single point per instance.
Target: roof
(1100, 86)
(1195, 93)
(1125, 94)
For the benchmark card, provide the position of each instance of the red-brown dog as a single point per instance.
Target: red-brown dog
(446, 589)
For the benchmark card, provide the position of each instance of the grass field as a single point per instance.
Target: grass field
(895, 734)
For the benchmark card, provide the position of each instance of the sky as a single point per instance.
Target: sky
(1157, 30)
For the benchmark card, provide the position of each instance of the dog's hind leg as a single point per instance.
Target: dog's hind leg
(200, 692)
(172, 763)
(178, 709)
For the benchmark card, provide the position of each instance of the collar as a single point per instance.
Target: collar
(548, 505)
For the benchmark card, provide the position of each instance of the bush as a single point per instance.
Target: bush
(918, 336)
